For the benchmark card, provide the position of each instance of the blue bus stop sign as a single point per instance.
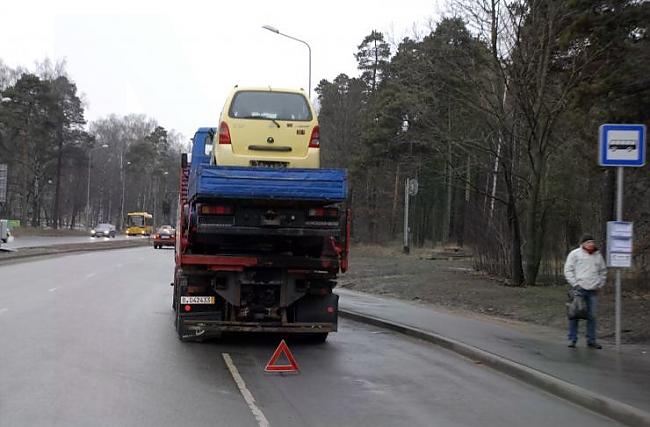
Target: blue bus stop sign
(622, 145)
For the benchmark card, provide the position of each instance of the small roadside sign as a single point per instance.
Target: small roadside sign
(619, 244)
(272, 365)
(622, 145)
(413, 187)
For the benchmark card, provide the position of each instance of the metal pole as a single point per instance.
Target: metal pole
(90, 153)
(123, 188)
(406, 216)
(619, 217)
(308, 47)
(276, 31)
(309, 90)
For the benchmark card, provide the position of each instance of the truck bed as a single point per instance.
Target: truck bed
(322, 185)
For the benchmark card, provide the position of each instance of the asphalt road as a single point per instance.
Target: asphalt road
(32, 241)
(88, 340)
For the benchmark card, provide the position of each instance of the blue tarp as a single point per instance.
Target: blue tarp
(265, 183)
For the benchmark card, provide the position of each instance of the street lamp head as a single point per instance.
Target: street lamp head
(270, 28)
(5, 99)
(104, 145)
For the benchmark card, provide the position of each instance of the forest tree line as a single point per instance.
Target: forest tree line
(66, 173)
(496, 112)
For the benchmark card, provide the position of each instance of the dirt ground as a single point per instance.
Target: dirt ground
(452, 284)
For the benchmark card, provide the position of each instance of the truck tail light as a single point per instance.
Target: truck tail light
(314, 140)
(323, 213)
(217, 210)
(224, 134)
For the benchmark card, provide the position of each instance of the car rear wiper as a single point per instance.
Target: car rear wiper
(261, 118)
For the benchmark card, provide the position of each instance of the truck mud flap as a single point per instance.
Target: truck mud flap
(317, 308)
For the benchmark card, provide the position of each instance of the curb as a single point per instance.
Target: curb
(65, 249)
(600, 404)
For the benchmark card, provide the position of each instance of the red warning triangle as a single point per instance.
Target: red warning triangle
(273, 367)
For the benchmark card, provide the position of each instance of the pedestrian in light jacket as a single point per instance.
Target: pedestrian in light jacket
(586, 272)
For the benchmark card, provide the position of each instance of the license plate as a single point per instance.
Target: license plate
(266, 164)
(197, 300)
(165, 237)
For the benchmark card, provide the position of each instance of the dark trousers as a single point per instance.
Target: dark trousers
(592, 302)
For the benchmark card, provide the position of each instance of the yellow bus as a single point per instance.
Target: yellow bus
(139, 224)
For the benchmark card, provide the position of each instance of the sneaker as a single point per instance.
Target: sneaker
(572, 344)
(594, 345)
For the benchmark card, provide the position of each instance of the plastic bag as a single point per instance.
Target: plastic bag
(577, 308)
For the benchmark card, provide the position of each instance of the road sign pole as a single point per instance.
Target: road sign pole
(406, 216)
(620, 145)
(619, 217)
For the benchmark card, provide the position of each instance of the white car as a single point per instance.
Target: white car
(103, 230)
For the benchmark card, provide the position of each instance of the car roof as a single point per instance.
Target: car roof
(267, 89)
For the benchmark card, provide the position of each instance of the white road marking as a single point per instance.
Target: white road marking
(90, 275)
(3, 310)
(248, 396)
(53, 289)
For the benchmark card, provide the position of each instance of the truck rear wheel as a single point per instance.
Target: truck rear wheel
(317, 338)
(180, 327)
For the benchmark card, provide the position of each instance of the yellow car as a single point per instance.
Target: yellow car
(267, 127)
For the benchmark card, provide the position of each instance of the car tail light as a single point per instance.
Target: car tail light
(188, 308)
(217, 210)
(224, 134)
(314, 140)
(323, 213)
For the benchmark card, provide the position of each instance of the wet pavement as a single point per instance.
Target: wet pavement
(89, 340)
(621, 376)
(38, 241)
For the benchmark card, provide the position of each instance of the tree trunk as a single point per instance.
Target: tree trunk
(36, 206)
(516, 267)
(59, 161)
(393, 214)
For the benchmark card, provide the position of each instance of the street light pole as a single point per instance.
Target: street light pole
(123, 177)
(276, 31)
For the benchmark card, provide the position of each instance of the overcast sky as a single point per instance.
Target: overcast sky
(176, 61)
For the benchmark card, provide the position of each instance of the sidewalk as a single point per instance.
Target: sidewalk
(624, 376)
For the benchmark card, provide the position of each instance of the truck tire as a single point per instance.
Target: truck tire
(180, 328)
(318, 338)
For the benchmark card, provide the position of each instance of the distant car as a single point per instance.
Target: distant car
(165, 236)
(267, 127)
(103, 230)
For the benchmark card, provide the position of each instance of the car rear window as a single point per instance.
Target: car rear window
(270, 105)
